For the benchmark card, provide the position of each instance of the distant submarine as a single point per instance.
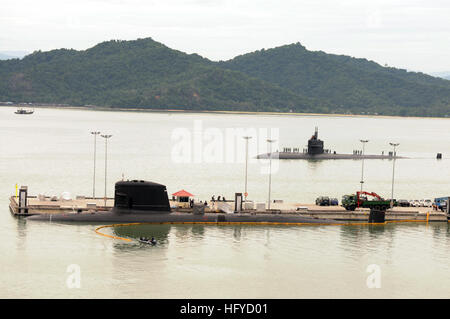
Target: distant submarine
(315, 151)
(140, 201)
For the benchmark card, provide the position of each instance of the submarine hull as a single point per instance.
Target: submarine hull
(175, 217)
(325, 156)
(147, 202)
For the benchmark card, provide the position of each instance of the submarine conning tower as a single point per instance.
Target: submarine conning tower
(142, 196)
(315, 146)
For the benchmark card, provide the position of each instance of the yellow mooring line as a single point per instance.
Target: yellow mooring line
(248, 223)
(110, 236)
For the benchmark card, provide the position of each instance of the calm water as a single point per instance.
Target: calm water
(51, 151)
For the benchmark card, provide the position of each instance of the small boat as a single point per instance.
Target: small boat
(24, 111)
(145, 240)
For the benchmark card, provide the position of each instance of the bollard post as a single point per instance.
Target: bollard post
(237, 202)
(447, 209)
(377, 216)
(198, 209)
(23, 200)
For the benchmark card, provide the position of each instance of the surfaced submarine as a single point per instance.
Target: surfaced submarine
(140, 201)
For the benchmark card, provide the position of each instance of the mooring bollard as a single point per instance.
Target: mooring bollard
(198, 209)
(447, 209)
(377, 216)
(23, 200)
(237, 202)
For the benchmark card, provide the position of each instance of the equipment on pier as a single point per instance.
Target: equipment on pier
(183, 199)
(378, 206)
(65, 196)
(350, 202)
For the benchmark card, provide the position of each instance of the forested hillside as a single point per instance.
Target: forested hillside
(141, 73)
(347, 84)
(147, 74)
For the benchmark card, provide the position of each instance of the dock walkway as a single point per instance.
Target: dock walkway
(48, 206)
(85, 204)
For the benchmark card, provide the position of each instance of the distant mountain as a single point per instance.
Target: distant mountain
(147, 74)
(141, 73)
(347, 83)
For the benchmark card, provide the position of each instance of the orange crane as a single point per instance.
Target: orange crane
(358, 202)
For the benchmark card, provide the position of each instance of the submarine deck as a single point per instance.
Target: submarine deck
(324, 156)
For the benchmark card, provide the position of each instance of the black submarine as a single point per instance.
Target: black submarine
(140, 201)
(316, 151)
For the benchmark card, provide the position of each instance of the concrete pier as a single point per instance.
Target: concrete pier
(78, 205)
(45, 205)
(361, 214)
(36, 206)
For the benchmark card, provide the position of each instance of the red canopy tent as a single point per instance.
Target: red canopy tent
(182, 196)
(182, 193)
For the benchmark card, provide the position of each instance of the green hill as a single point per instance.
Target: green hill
(147, 74)
(348, 84)
(141, 73)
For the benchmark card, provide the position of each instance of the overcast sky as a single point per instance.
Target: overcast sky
(413, 34)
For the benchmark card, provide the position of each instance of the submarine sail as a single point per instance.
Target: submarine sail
(141, 195)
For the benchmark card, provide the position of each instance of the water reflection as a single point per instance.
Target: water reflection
(376, 230)
(237, 233)
(267, 241)
(198, 231)
(182, 231)
(314, 163)
(357, 241)
(159, 232)
(21, 233)
(448, 230)
(134, 232)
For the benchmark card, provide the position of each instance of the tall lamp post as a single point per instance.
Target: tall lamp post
(393, 172)
(246, 164)
(106, 137)
(362, 168)
(95, 133)
(270, 166)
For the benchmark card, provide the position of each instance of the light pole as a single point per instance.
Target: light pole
(393, 171)
(95, 133)
(106, 137)
(362, 168)
(270, 166)
(246, 164)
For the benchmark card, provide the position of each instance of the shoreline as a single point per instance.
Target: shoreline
(148, 110)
